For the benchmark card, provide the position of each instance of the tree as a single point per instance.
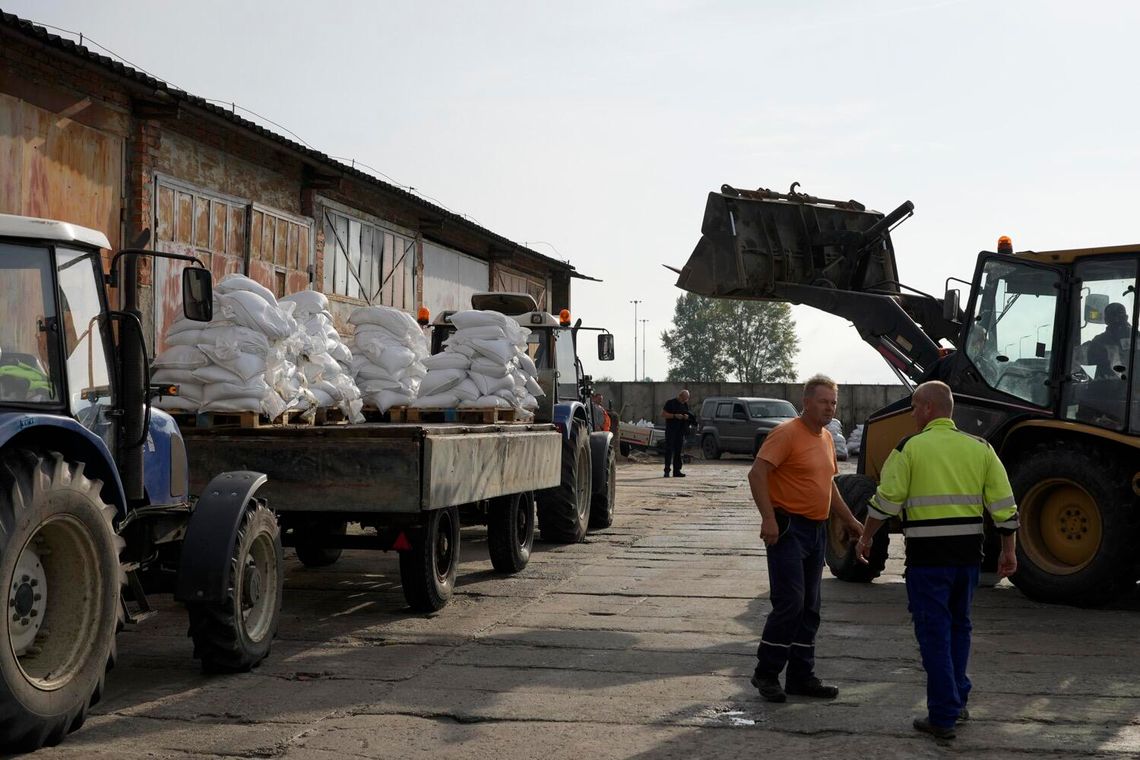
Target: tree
(694, 343)
(759, 340)
(711, 338)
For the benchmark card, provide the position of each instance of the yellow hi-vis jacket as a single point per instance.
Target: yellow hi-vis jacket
(942, 481)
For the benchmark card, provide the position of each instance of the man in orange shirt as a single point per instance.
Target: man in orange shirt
(792, 482)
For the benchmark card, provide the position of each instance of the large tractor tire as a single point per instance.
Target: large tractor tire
(1077, 542)
(428, 569)
(59, 565)
(310, 545)
(857, 491)
(236, 634)
(602, 504)
(510, 531)
(564, 511)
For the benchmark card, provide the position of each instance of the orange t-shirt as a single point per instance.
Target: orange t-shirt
(803, 464)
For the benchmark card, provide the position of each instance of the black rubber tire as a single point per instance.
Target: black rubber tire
(308, 542)
(234, 635)
(1111, 569)
(428, 569)
(54, 527)
(510, 531)
(564, 511)
(857, 491)
(602, 504)
(709, 449)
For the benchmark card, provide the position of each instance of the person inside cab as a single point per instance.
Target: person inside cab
(1109, 350)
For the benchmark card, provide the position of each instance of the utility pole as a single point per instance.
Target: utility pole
(635, 303)
(643, 342)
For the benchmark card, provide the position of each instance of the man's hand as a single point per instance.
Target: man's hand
(854, 529)
(1007, 563)
(769, 531)
(863, 550)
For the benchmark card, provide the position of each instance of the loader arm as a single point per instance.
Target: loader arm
(834, 255)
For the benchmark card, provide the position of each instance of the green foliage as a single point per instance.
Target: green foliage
(755, 341)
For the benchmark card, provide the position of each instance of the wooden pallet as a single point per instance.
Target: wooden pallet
(330, 416)
(237, 419)
(464, 414)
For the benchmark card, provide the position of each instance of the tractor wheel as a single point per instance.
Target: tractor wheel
(564, 511)
(59, 565)
(428, 569)
(709, 449)
(602, 505)
(857, 491)
(236, 634)
(310, 546)
(510, 531)
(1077, 542)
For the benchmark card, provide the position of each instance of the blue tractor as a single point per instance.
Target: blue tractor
(95, 509)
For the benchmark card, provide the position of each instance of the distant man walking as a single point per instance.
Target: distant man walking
(793, 485)
(677, 419)
(942, 481)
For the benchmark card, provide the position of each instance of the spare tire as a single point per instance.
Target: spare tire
(857, 491)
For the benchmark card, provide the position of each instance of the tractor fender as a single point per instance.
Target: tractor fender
(564, 414)
(204, 569)
(599, 445)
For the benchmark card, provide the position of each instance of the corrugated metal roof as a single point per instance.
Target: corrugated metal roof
(42, 35)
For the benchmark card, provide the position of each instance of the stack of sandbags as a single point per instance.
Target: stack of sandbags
(388, 350)
(321, 357)
(484, 364)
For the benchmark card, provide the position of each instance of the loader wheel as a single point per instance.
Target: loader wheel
(59, 566)
(564, 511)
(602, 505)
(236, 634)
(1077, 539)
(309, 543)
(428, 569)
(510, 531)
(709, 449)
(857, 491)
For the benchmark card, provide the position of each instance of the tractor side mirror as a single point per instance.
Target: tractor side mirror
(606, 347)
(197, 294)
(1094, 308)
(950, 305)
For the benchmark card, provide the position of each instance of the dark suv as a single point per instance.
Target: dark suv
(738, 424)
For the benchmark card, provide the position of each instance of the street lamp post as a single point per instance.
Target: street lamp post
(643, 342)
(1020, 350)
(635, 303)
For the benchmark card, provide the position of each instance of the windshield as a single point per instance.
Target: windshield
(757, 409)
(29, 330)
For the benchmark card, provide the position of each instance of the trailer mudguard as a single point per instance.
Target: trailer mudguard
(600, 444)
(204, 570)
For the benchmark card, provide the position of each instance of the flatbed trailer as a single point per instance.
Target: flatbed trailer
(408, 487)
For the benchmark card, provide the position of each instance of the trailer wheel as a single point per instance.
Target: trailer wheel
(602, 505)
(857, 491)
(428, 569)
(510, 531)
(564, 511)
(236, 634)
(59, 566)
(625, 448)
(311, 547)
(1077, 542)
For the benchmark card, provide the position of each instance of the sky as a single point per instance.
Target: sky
(593, 131)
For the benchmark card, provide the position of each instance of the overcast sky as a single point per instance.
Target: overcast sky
(599, 127)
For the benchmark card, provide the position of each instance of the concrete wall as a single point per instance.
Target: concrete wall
(635, 401)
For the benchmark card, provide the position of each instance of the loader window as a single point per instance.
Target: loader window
(1011, 334)
(566, 364)
(29, 331)
(88, 379)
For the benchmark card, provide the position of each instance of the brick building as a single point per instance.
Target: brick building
(88, 140)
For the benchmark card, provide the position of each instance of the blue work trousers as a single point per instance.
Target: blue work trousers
(939, 603)
(795, 567)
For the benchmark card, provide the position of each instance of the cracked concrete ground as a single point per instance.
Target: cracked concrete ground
(637, 643)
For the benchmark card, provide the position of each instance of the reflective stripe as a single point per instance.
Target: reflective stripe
(805, 646)
(1012, 524)
(876, 513)
(1001, 504)
(943, 510)
(772, 644)
(931, 531)
(883, 509)
(950, 498)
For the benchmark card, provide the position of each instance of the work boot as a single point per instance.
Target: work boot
(678, 474)
(938, 732)
(666, 473)
(769, 688)
(813, 687)
(963, 714)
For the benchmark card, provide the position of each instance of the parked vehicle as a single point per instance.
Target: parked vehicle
(835, 427)
(738, 424)
(641, 438)
(94, 497)
(1042, 362)
(855, 441)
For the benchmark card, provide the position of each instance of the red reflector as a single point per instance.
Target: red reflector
(402, 544)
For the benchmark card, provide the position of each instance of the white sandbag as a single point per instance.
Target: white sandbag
(221, 391)
(308, 301)
(526, 364)
(440, 380)
(490, 367)
(177, 404)
(485, 332)
(500, 350)
(212, 373)
(239, 282)
(415, 370)
(369, 371)
(341, 353)
(190, 391)
(324, 399)
(250, 310)
(233, 405)
(447, 360)
(236, 337)
(488, 385)
(529, 402)
(181, 357)
(517, 334)
(466, 390)
(396, 358)
(173, 377)
(488, 402)
(472, 318)
(376, 386)
(399, 322)
(245, 366)
(437, 401)
(462, 349)
(508, 394)
(185, 337)
(533, 388)
(385, 400)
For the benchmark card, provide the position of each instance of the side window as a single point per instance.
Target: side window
(724, 409)
(738, 412)
(565, 364)
(28, 374)
(708, 409)
(88, 378)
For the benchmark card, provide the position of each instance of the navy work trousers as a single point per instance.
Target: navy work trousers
(795, 566)
(939, 602)
(674, 442)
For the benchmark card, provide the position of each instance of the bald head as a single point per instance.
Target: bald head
(930, 401)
